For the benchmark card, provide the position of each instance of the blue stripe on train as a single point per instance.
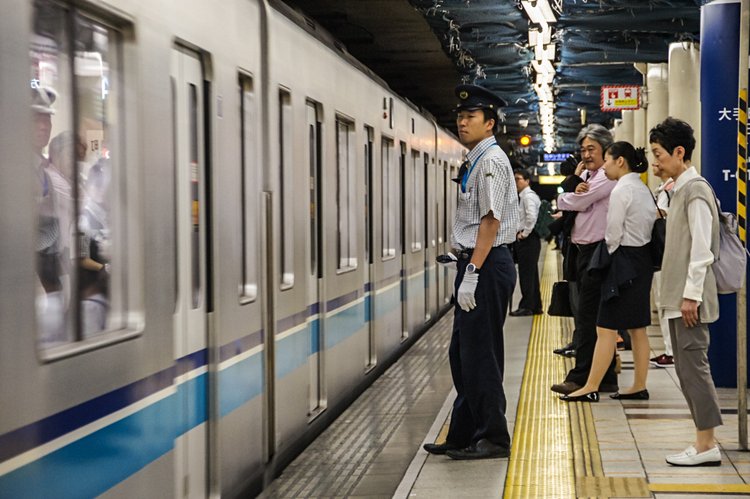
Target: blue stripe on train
(121, 449)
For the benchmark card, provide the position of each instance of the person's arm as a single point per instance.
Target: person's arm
(618, 204)
(531, 212)
(699, 224)
(581, 201)
(488, 227)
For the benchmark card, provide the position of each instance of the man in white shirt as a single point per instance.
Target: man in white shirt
(689, 298)
(527, 247)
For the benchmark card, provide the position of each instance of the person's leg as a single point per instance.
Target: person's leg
(536, 295)
(603, 353)
(663, 323)
(524, 255)
(639, 341)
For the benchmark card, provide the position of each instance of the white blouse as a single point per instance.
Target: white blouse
(631, 214)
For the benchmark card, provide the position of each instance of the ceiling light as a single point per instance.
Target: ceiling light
(539, 12)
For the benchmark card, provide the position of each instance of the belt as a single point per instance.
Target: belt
(465, 254)
(586, 246)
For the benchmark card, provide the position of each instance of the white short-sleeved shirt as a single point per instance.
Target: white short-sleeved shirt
(490, 187)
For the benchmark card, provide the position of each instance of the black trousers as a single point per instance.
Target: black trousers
(477, 354)
(589, 296)
(527, 256)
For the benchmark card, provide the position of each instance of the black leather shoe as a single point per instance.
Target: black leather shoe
(565, 351)
(586, 397)
(484, 449)
(440, 448)
(538, 312)
(642, 395)
(565, 387)
(521, 312)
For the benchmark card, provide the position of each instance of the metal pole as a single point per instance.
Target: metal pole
(742, 218)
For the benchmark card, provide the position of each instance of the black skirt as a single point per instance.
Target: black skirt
(631, 308)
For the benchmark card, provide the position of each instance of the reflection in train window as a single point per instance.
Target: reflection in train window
(417, 201)
(388, 190)
(80, 271)
(345, 193)
(250, 189)
(286, 201)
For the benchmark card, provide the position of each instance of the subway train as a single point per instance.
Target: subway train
(218, 229)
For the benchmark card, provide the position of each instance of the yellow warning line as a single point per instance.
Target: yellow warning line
(701, 488)
(541, 463)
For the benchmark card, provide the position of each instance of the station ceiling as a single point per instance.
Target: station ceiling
(423, 48)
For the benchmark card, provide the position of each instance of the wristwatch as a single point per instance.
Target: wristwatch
(472, 269)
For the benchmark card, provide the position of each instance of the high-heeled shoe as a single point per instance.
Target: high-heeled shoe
(641, 395)
(586, 397)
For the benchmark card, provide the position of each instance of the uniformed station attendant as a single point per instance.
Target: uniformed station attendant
(486, 222)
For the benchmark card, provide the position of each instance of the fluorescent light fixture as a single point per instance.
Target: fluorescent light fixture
(539, 11)
(551, 179)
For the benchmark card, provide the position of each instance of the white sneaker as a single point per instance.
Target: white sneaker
(691, 457)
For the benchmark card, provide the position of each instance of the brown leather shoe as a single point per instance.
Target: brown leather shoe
(565, 387)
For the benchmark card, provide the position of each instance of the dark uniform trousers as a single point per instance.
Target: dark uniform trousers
(477, 355)
(527, 254)
(589, 295)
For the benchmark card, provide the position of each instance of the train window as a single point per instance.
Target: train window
(345, 194)
(80, 189)
(250, 190)
(286, 201)
(387, 190)
(369, 136)
(417, 201)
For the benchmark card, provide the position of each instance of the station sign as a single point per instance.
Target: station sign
(555, 157)
(620, 97)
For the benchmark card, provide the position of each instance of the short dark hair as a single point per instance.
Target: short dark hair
(636, 158)
(524, 172)
(490, 114)
(671, 133)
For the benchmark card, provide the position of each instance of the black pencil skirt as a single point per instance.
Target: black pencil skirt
(632, 308)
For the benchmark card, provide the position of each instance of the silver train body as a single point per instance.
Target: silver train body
(274, 213)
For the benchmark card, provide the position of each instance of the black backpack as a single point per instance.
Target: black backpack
(544, 219)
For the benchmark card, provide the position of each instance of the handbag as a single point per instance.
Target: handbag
(658, 238)
(729, 264)
(559, 304)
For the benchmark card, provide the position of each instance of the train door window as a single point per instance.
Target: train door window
(286, 197)
(387, 190)
(314, 155)
(250, 190)
(417, 201)
(369, 137)
(82, 253)
(345, 194)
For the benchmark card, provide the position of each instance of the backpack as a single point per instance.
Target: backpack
(729, 266)
(541, 227)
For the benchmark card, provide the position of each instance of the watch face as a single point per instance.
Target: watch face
(471, 268)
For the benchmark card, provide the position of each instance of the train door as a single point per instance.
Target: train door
(315, 269)
(190, 324)
(369, 251)
(429, 241)
(404, 262)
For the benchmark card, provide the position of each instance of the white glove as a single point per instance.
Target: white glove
(466, 299)
(448, 261)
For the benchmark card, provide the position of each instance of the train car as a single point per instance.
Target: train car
(219, 228)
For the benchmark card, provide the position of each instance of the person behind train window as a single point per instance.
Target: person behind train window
(591, 201)
(688, 293)
(663, 194)
(94, 288)
(627, 271)
(527, 247)
(50, 300)
(485, 224)
(60, 170)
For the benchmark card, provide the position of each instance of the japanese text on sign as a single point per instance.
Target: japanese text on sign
(620, 97)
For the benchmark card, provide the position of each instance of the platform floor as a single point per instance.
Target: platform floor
(609, 449)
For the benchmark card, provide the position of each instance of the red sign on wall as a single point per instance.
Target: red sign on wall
(620, 97)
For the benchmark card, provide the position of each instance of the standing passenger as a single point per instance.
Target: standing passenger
(486, 222)
(591, 201)
(689, 298)
(626, 285)
(527, 247)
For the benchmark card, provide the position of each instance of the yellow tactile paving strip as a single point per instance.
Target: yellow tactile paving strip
(541, 463)
(555, 447)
